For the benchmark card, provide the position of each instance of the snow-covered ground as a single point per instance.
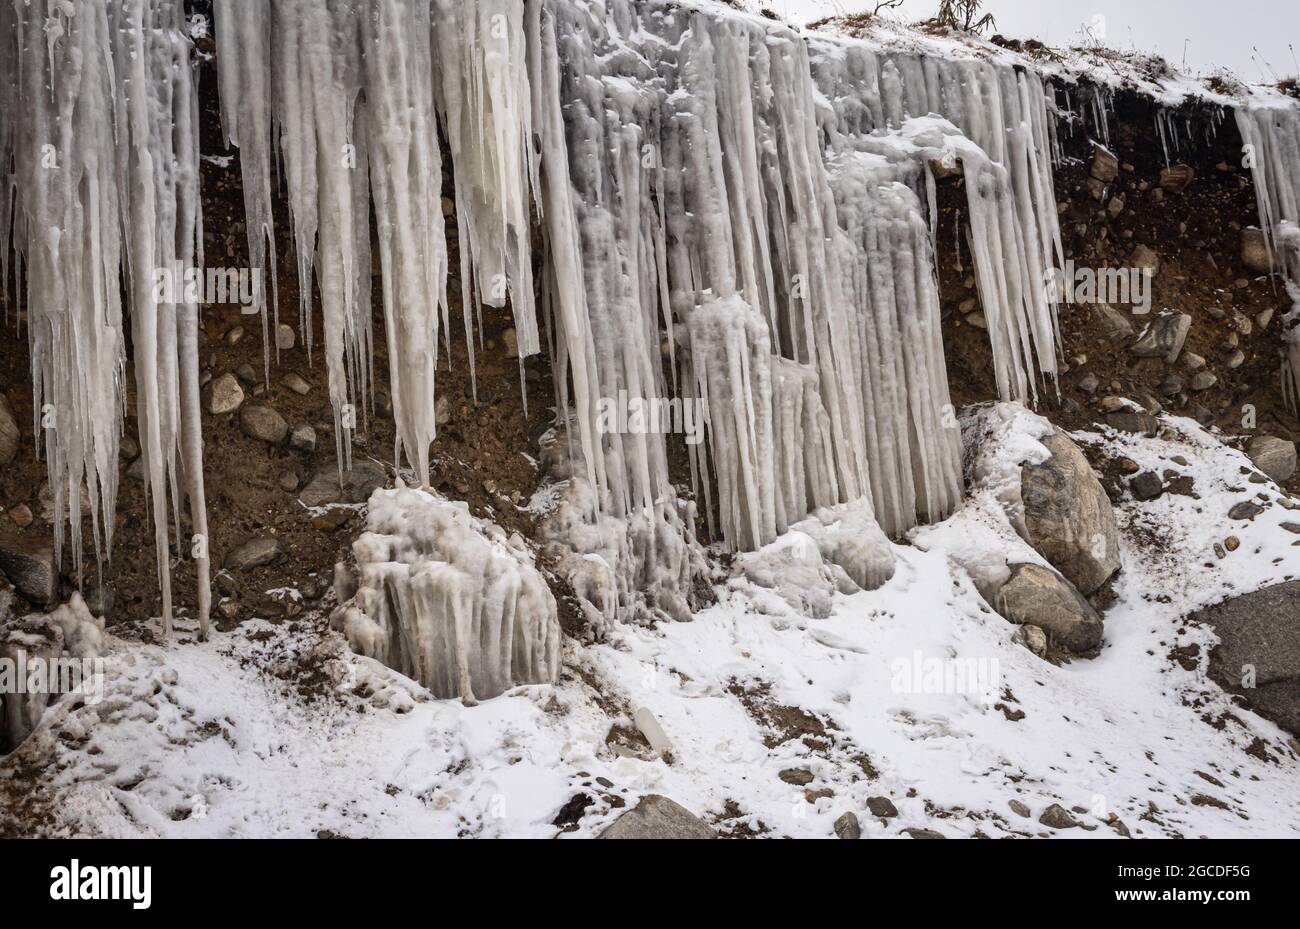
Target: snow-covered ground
(249, 735)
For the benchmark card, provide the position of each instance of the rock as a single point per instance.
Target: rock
(255, 553)
(977, 320)
(1115, 207)
(303, 438)
(441, 410)
(235, 336)
(1235, 360)
(1144, 258)
(1089, 383)
(358, 484)
(1254, 250)
(1203, 380)
(128, 449)
(1036, 640)
(1245, 510)
(1115, 326)
(1193, 361)
(882, 807)
(511, 340)
(1068, 518)
(246, 374)
(29, 566)
(1176, 178)
(1275, 457)
(1146, 486)
(1105, 166)
(10, 437)
(1263, 318)
(848, 827)
(99, 599)
(1232, 543)
(288, 482)
(21, 515)
(295, 383)
(799, 777)
(657, 817)
(1137, 423)
(1164, 337)
(923, 833)
(223, 395)
(284, 337)
(1039, 596)
(263, 423)
(1057, 817)
(1019, 808)
(1258, 655)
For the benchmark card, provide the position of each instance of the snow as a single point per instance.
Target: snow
(908, 691)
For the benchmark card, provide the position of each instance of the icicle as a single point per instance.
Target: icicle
(108, 144)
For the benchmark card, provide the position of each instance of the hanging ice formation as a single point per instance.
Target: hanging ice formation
(1270, 132)
(98, 110)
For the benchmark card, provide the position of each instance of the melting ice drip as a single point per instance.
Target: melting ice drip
(1270, 130)
(98, 110)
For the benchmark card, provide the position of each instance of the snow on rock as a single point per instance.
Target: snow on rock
(448, 599)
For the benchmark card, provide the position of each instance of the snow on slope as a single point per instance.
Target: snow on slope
(243, 737)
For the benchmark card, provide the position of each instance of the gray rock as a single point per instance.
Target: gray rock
(284, 337)
(1105, 166)
(1275, 457)
(1204, 380)
(1115, 326)
(1254, 250)
(1146, 486)
(1089, 383)
(657, 817)
(263, 423)
(255, 553)
(1193, 361)
(1036, 640)
(1258, 655)
(1138, 423)
(1145, 258)
(246, 374)
(848, 827)
(303, 438)
(29, 566)
(296, 383)
(1038, 596)
(10, 436)
(882, 807)
(1068, 517)
(1058, 817)
(1019, 808)
(358, 484)
(923, 833)
(1164, 337)
(223, 395)
(1235, 360)
(1245, 510)
(799, 777)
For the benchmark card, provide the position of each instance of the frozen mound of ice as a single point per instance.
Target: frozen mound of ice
(640, 567)
(42, 656)
(448, 599)
(849, 537)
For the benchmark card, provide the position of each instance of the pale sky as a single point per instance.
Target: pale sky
(1212, 33)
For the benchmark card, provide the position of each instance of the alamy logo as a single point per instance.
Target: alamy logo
(1080, 286)
(104, 882)
(626, 415)
(919, 674)
(181, 284)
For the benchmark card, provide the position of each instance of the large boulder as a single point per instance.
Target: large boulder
(1068, 517)
(657, 817)
(1258, 655)
(1038, 596)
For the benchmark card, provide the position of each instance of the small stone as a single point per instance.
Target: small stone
(442, 410)
(21, 515)
(1115, 207)
(303, 438)
(263, 423)
(1232, 543)
(1136, 423)
(1145, 258)
(288, 482)
(848, 827)
(1263, 318)
(128, 449)
(1245, 510)
(224, 395)
(882, 807)
(229, 609)
(796, 776)
(1113, 404)
(657, 817)
(1254, 250)
(235, 336)
(255, 553)
(1203, 380)
(1056, 817)
(1019, 808)
(511, 340)
(923, 833)
(1293, 528)
(1164, 337)
(1236, 359)
(1175, 179)
(1105, 166)
(1128, 465)
(331, 520)
(246, 374)
(294, 382)
(1089, 383)
(284, 337)
(977, 320)
(1193, 361)
(1036, 640)
(1146, 486)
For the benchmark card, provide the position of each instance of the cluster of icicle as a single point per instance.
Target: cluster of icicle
(98, 120)
(448, 600)
(1270, 132)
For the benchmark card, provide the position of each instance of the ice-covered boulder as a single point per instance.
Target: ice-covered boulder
(448, 599)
